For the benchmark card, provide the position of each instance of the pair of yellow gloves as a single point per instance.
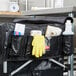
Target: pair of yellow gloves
(38, 44)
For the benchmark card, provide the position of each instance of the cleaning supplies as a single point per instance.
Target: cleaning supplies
(38, 44)
(35, 32)
(68, 37)
(19, 29)
(68, 28)
(52, 31)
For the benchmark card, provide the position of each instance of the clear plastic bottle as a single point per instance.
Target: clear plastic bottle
(68, 28)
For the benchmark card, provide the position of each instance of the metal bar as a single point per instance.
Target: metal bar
(26, 5)
(48, 4)
(68, 63)
(20, 68)
(51, 12)
(45, 4)
(71, 61)
(58, 63)
(5, 67)
(52, 3)
(70, 58)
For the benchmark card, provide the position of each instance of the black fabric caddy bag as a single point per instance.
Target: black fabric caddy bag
(56, 44)
(21, 43)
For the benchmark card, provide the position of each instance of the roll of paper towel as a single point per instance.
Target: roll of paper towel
(14, 7)
(4, 5)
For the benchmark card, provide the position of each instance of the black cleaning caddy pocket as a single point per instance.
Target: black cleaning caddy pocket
(18, 46)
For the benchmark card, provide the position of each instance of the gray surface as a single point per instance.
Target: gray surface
(51, 12)
(43, 3)
(69, 3)
(54, 11)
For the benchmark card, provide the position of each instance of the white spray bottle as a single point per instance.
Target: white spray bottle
(68, 28)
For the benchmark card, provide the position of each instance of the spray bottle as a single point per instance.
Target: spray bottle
(68, 28)
(68, 36)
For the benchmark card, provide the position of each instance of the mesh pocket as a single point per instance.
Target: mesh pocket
(18, 46)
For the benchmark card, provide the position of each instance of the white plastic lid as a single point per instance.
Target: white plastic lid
(68, 22)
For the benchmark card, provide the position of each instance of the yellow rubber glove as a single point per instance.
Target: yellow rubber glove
(38, 44)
